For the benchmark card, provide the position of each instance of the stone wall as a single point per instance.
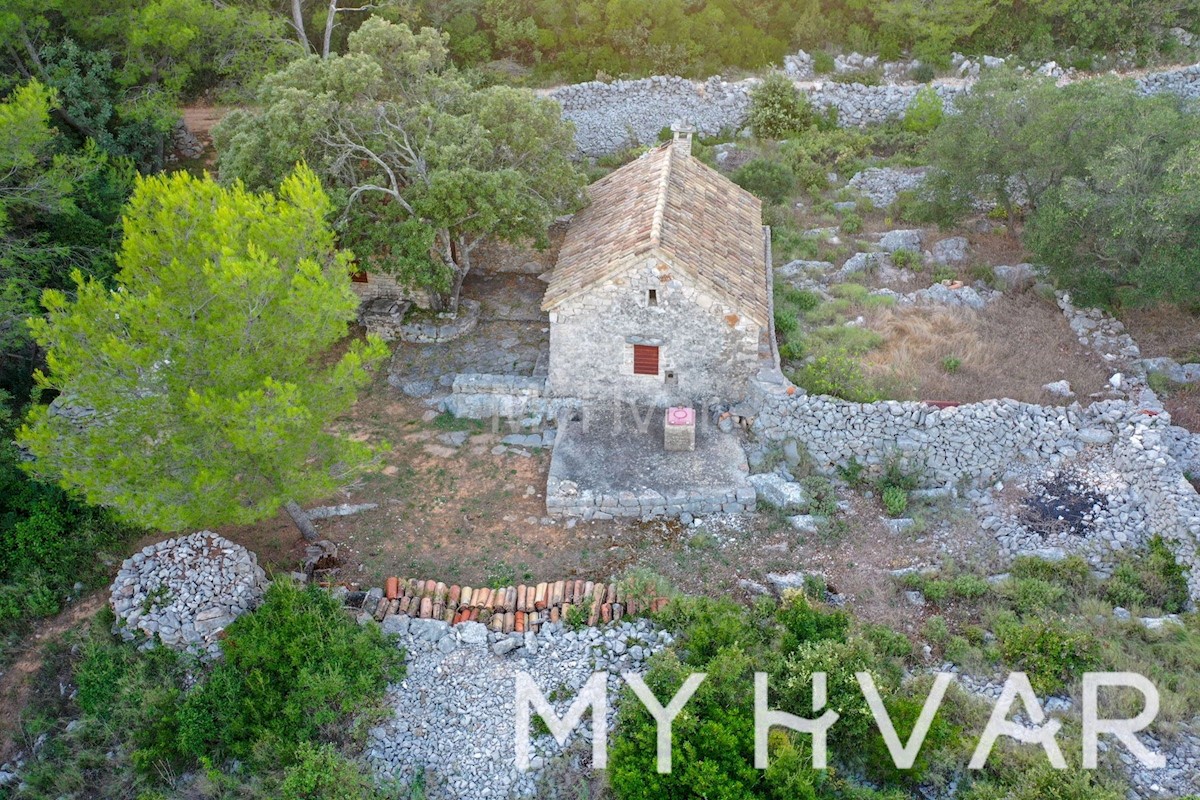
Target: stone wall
(976, 442)
(379, 285)
(981, 442)
(1142, 454)
(184, 592)
(563, 500)
(508, 397)
(443, 327)
(706, 348)
(611, 116)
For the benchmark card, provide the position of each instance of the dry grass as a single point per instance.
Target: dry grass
(1010, 349)
(1165, 331)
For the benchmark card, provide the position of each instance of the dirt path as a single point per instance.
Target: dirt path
(15, 682)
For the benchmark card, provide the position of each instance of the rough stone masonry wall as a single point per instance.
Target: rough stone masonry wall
(611, 116)
(1142, 454)
(975, 441)
(711, 348)
(980, 442)
(646, 503)
(507, 397)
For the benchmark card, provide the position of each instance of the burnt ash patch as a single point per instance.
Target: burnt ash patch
(1063, 503)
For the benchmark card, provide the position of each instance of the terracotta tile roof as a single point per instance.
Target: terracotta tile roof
(670, 205)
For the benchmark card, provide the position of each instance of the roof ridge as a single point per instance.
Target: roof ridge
(660, 206)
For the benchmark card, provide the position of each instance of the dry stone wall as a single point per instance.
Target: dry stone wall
(983, 442)
(612, 116)
(565, 499)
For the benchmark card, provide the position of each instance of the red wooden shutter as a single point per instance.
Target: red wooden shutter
(645, 359)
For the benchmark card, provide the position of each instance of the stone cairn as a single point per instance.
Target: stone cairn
(511, 609)
(184, 592)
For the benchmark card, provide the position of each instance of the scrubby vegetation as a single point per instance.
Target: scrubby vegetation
(1104, 179)
(713, 739)
(582, 38)
(290, 701)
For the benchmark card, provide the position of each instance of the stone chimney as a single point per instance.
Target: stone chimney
(682, 138)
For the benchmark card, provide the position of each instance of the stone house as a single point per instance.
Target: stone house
(660, 294)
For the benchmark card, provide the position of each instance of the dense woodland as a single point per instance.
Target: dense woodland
(398, 138)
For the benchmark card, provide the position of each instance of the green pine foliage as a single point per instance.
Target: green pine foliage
(209, 350)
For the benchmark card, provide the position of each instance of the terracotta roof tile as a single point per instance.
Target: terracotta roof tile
(670, 205)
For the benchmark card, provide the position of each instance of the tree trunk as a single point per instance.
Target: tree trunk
(329, 18)
(302, 520)
(298, 24)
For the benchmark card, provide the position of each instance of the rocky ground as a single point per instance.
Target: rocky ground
(455, 710)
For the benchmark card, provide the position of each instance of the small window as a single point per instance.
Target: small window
(359, 277)
(645, 359)
(652, 297)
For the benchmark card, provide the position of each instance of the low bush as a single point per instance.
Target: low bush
(1052, 655)
(778, 109)
(837, 374)
(799, 299)
(49, 541)
(321, 772)
(771, 181)
(1153, 579)
(848, 338)
(925, 112)
(1033, 595)
(895, 501)
(296, 670)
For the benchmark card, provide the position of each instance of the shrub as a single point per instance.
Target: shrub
(924, 112)
(850, 339)
(136, 695)
(897, 472)
(1033, 595)
(800, 299)
(1153, 579)
(922, 73)
(823, 63)
(951, 364)
(822, 497)
(1072, 573)
(906, 259)
(294, 668)
(1049, 653)
(785, 321)
(852, 223)
(836, 374)
(969, 587)
(769, 180)
(803, 623)
(778, 109)
(895, 501)
(322, 773)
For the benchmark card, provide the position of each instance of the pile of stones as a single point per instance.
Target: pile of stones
(467, 675)
(882, 185)
(184, 592)
(184, 144)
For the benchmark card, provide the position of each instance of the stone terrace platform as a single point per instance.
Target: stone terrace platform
(610, 462)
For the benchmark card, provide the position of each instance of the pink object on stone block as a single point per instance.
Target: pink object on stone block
(681, 416)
